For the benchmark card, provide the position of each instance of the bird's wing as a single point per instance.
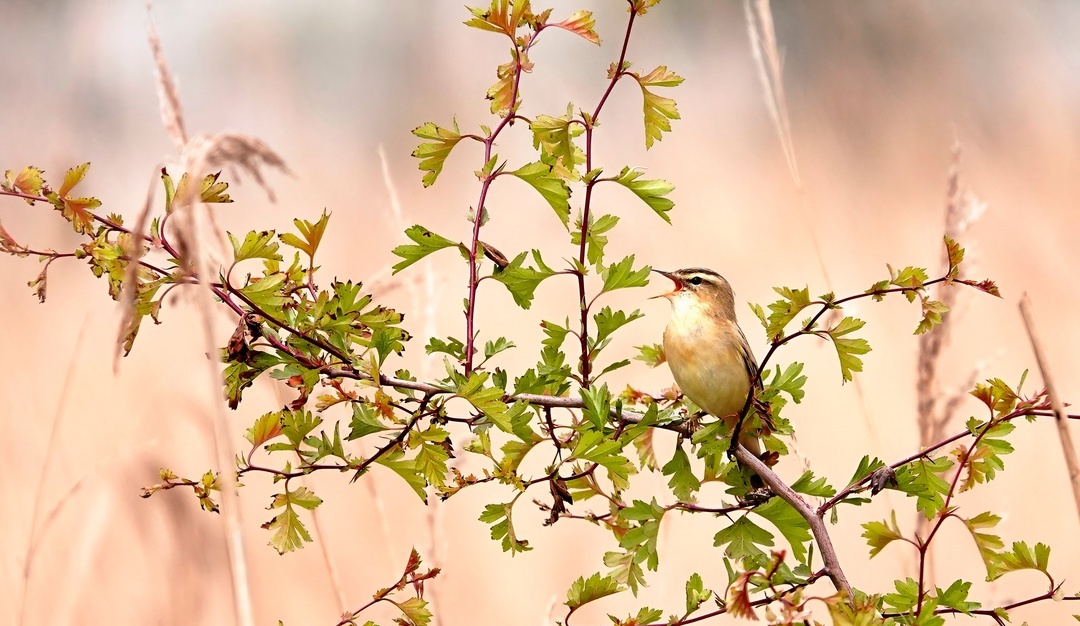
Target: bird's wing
(748, 357)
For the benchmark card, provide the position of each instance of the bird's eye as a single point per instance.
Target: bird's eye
(696, 280)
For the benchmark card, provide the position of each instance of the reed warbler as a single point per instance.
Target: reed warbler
(706, 350)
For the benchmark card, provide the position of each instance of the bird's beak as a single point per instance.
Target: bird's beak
(672, 278)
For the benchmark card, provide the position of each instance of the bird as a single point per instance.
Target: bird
(707, 352)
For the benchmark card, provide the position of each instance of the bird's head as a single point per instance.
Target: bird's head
(700, 287)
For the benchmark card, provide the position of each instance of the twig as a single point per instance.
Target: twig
(1055, 400)
(817, 525)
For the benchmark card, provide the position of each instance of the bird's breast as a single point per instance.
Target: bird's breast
(707, 363)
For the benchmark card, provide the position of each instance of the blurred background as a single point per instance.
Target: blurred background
(877, 92)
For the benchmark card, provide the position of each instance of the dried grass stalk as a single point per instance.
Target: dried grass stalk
(172, 114)
(1056, 404)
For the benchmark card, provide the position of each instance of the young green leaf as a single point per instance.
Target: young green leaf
(288, 532)
(848, 348)
(696, 593)
(433, 153)
(781, 312)
(256, 245)
(502, 16)
(622, 275)
(553, 189)
(585, 590)
(790, 524)
(426, 243)
(1022, 556)
(595, 239)
(554, 137)
(310, 235)
(580, 23)
(28, 181)
(922, 479)
(988, 544)
(406, 469)
(956, 597)
(984, 460)
(659, 111)
(265, 428)
(78, 211)
(683, 482)
(521, 281)
(502, 529)
(743, 539)
(881, 534)
(651, 192)
(652, 355)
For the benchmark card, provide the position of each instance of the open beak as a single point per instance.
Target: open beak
(672, 278)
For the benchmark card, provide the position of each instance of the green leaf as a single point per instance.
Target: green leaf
(1021, 557)
(984, 460)
(742, 539)
(595, 239)
(288, 532)
(581, 23)
(987, 543)
(522, 281)
(501, 17)
(406, 469)
(790, 524)
(267, 292)
(880, 534)
(625, 568)
(645, 615)
(652, 355)
(622, 275)
(365, 421)
(592, 446)
(554, 136)
(310, 235)
(554, 334)
(652, 192)
(956, 597)
(639, 541)
(450, 346)
(818, 488)
(955, 255)
(553, 189)
(696, 593)
(608, 321)
(265, 428)
(597, 401)
(426, 243)
(781, 312)
(585, 590)
(658, 110)
(865, 468)
(932, 310)
(906, 596)
(922, 479)
(416, 611)
(683, 482)
(432, 454)
(489, 401)
(256, 245)
(491, 348)
(848, 348)
(433, 153)
(790, 381)
(502, 528)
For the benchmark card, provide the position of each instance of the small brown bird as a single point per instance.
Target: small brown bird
(705, 348)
